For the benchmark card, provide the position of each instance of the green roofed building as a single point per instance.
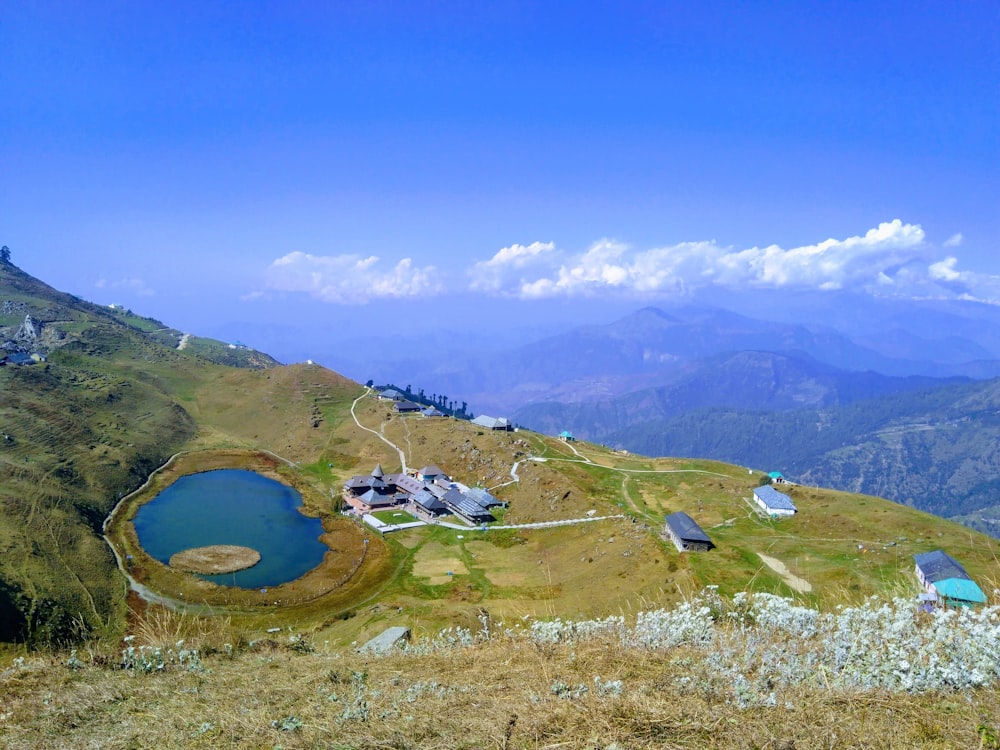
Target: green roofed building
(942, 575)
(960, 592)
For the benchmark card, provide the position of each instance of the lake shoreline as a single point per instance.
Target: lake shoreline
(354, 559)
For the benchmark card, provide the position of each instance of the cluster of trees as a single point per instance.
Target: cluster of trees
(441, 402)
(5, 254)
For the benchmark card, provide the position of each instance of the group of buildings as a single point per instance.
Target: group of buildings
(944, 579)
(403, 405)
(427, 494)
(688, 536)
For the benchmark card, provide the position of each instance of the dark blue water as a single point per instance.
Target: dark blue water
(233, 506)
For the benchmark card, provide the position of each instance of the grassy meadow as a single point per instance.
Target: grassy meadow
(85, 662)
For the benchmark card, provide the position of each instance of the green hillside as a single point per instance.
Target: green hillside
(116, 396)
(933, 449)
(596, 633)
(113, 399)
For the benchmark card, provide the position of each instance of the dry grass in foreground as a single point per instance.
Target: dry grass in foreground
(511, 690)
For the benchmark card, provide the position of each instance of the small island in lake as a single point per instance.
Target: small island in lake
(215, 559)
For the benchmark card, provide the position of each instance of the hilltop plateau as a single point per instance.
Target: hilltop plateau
(114, 396)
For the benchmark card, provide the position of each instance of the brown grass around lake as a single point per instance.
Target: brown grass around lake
(355, 563)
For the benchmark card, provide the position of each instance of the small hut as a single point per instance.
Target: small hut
(687, 535)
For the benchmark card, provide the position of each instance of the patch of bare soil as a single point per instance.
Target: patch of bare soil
(794, 582)
(218, 558)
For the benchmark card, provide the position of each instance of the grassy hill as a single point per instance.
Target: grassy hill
(113, 400)
(933, 449)
(117, 396)
(497, 659)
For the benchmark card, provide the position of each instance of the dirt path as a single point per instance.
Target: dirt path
(585, 460)
(800, 585)
(628, 497)
(378, 433)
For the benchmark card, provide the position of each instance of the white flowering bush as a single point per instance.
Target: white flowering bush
(558, 631)
(147, 659)
(751, 644)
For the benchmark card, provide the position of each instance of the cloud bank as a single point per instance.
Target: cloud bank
(893, 258)
(608, 266)
(350, 279)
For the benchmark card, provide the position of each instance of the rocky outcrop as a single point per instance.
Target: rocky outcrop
(27, 333)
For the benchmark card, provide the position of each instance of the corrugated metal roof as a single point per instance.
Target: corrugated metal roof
(465, 506)
(939, 565)
(482, 497)
(493, 423)
(404, 482)
(686, 529)
(427, 501)
(961, 589)
(438, 492)
(774, 499)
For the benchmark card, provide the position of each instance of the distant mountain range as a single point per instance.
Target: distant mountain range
(758, 381)
(865, 394)
(653, 347)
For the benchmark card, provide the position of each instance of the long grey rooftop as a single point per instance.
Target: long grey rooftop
(939, 565)
(773, 498)
(686, 528)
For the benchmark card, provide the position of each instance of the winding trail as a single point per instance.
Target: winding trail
(148, 595)
(585, 460)
(377, 433)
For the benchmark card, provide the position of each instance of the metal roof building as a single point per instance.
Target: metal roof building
(466, 508)
(943, 575)
(432, 505)
(492, 423)
(937, 566)
(687, 535)
(773, 502)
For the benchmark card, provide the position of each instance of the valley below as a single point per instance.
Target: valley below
(572, 619)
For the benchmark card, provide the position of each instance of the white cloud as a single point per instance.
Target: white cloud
(891, 258)
(944, 270)
(349, 279)
(607, 266)
(969, 285)
(508, 263)
(955, 240)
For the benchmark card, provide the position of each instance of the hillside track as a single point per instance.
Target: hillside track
(380, 433)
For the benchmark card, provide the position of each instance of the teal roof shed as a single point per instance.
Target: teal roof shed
(960, 591)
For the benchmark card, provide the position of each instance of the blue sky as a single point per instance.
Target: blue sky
(373, 167)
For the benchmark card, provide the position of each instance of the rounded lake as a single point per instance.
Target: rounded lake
(234, 506)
